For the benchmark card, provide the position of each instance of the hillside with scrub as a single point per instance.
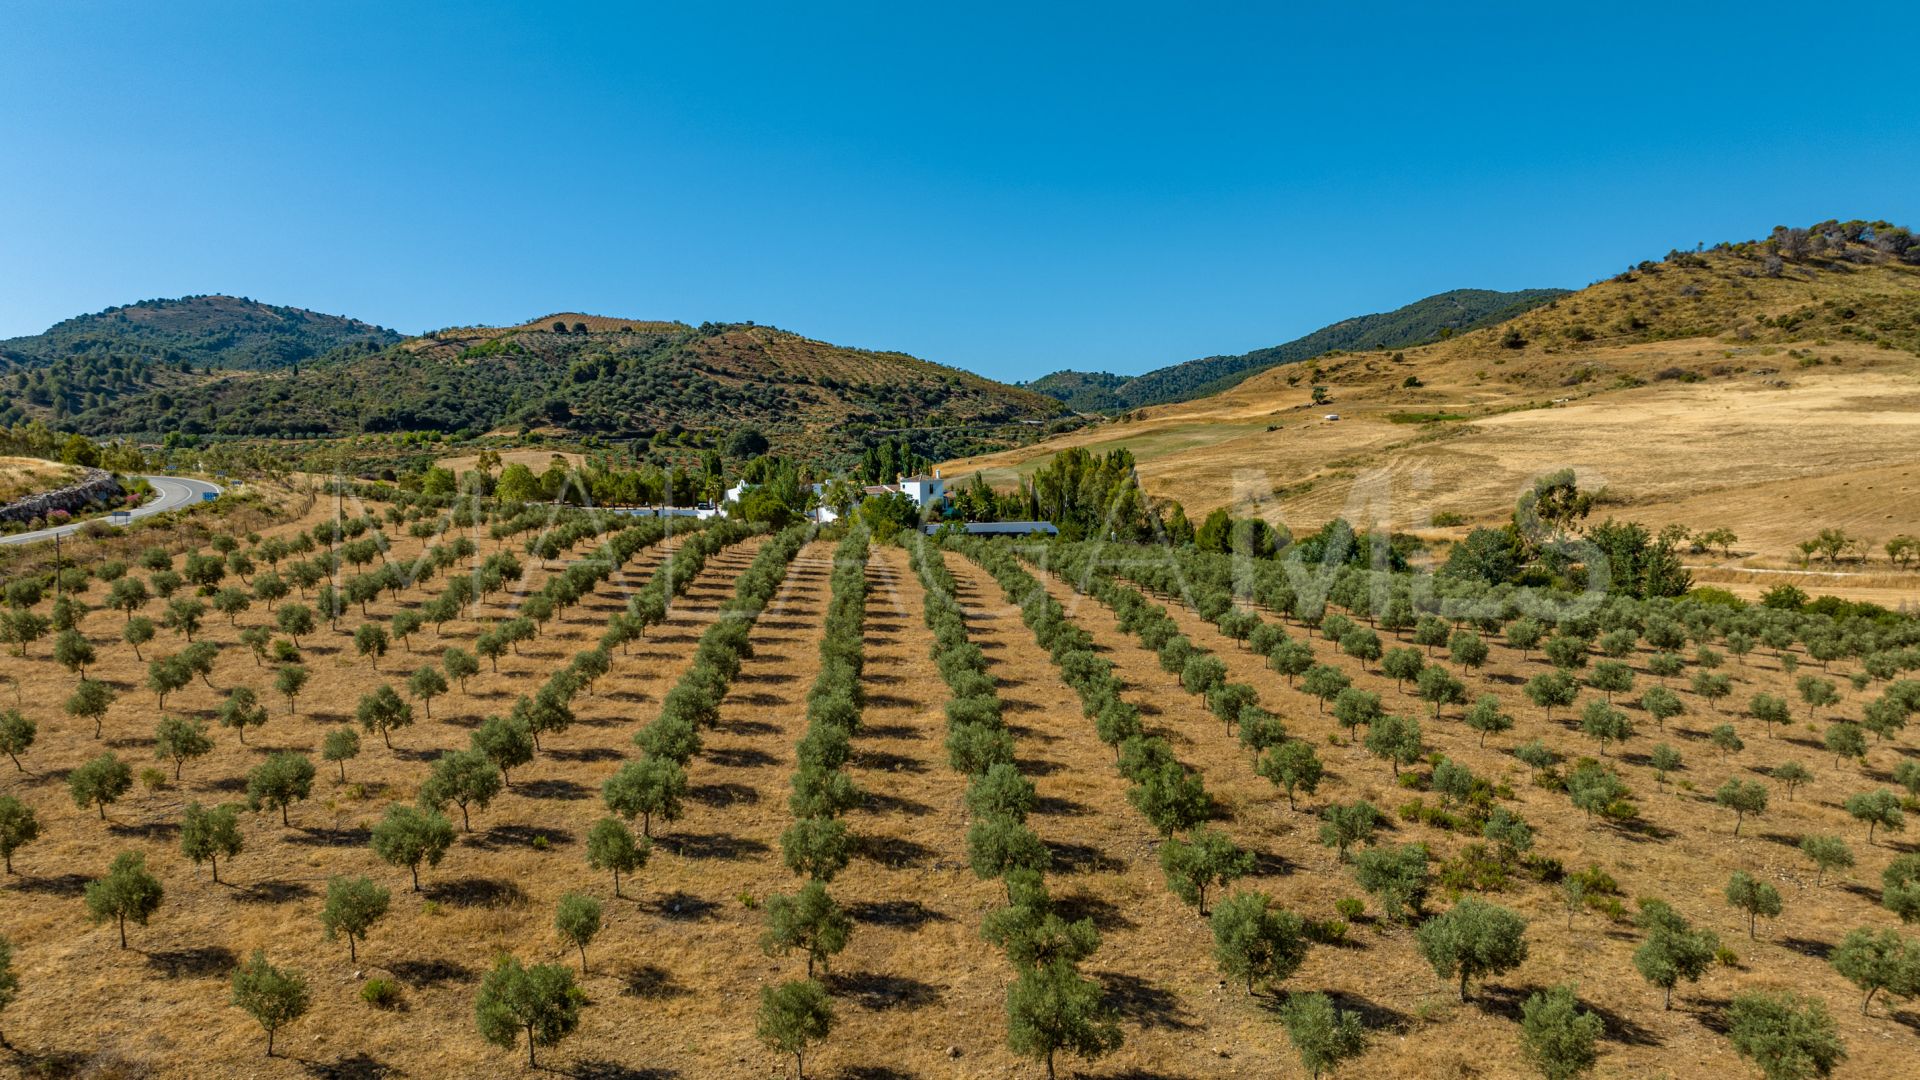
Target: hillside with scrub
(1767, 388)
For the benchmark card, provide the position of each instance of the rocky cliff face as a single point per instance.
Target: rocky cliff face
(94, 486)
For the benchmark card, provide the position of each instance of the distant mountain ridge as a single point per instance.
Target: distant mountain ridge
(204, 331)
(1417, 323)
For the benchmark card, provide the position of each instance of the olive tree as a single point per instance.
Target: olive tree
(540, 1002)
(611, 846)
(205, 834)
(1322, 1034)
(1556, 1035)
(280, 781)
(408, 837)
(353, 905)
(809, 921)
(1788, 1036)
(1473, 939)
(128, 891)
(273, 996)
(1254, 941)
(793, 1016)
(1054, 1009)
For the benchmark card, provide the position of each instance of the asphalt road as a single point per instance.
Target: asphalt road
(172, 493)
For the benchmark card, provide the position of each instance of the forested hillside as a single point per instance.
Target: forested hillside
(1431, 319)
(616, 378)
(202, 331)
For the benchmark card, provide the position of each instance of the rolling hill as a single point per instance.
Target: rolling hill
(203, 331)
(1422, 321)
(1766, 386)
(609, 377)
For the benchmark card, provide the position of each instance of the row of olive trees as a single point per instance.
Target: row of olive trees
(794, 1014)
(1051, 1007)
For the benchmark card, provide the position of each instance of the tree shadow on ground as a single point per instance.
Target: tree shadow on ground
(874, 1072)
(895, 851)
(741, 757)
(586, 753)
(1055, 806)
(272, 892)
(889, 731)
(421, 974)
(1071, 858)
(599, 1069)
(524, 836)
(882, 803)
(67, 885)
(325, 837)
(1140, 1002)
(880, 992)
(714, 846)
(882, 760)
(201, 962)
(904, 914)
(1105, 914)
(355, 1067)
(723, 794)
(477, 892)
(652, 982)
(155, 831)
(746, 728)
(684, 907)
(564, 790)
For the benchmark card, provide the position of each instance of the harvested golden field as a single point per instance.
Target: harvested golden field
(672, 980)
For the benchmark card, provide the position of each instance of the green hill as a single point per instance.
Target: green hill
(1417, 323)
(613, 378)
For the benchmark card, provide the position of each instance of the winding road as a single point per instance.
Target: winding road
(172, 493)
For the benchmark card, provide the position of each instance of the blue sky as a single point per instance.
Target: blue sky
(1011, 189)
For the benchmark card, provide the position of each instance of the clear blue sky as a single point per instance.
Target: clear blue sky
(1011, 189)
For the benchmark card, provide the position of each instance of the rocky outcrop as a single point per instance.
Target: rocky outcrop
(94, 486)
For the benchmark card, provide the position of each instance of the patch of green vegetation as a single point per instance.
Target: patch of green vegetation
(1424, 417)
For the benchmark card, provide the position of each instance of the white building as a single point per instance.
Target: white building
(923, 490)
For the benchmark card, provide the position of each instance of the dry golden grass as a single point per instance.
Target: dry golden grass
(23, 476)
(1757, 443)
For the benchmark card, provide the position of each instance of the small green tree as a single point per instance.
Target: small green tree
(644, 788)
(280, 781)
(1343, 825)
(1552, 690)
(818, 848)
(611, 846)
(242, 710)
(1397, 877)
(466, 778)
(1254, 941)
(370, 641)
(17, 733)
(127, 892)
(1878, 809)
(1603, 724)
(288, 681)
(578, 921)
(205, 834)
(270, 995)
(90, 701)
(1207, 858)
(1488, 718)
(408, 837)
(1743, 797)
(1769, 710)
(1557, 1036)
(1788, 1036)
(178, 739)
(1792, 774)
(810, 921)
(1673, 950)
(1473, 939)
(1756, 898)
(9, 982)
(19, 826)
(460, 664)
(1875, 962)
(1323, 1035)
(1324, 682)
(100, 782)
(383, 711)
(1826, 853)
(540, 1002)
(506, 742)
(793, 1016)
(340, 746)
(1054, 1009)
(1292, 766)
(353, 905)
